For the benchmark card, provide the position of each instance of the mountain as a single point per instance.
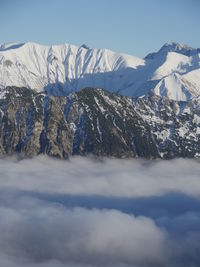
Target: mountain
(51, 102)
(95, 121)
(174, 47)
(58, 70)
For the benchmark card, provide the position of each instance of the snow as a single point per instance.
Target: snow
(2, 94)
(99, 129)
(101, 108)
(196, 119)
(183, 131)
(72, 127)
(174, 47)
(114, 123)
(173, 62)
(173, 87)
(163, 135)
(173, 71)
(198, 130)
(38, 66)
(194, 78)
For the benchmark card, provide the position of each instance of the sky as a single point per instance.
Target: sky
(135, 27)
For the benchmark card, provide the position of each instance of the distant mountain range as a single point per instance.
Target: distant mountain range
(173, 71)
(65, 100)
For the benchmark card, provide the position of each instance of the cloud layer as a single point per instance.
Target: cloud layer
(41, 233)
(117, 178)
(92, 214)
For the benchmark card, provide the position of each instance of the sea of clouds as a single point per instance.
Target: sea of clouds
(89, 213)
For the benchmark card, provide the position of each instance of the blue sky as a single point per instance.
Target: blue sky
(135, 27)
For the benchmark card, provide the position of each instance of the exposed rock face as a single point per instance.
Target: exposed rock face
(97, 122)
(32, 123)
(175, 126)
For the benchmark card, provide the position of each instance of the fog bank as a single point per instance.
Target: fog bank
(110, 177)
(115, 213)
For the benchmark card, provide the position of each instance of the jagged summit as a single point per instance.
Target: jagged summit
(174, 47)
(164, 122)
(173, 71)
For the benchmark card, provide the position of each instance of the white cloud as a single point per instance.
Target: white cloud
(38, 232)
(82, 176)
(50, 215)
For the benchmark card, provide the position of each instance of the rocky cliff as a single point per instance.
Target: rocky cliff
(94, 121)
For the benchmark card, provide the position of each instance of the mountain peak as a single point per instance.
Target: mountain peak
(61, 69)
(174, 47)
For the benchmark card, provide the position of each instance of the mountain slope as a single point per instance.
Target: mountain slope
(61, 69)
(94, 121)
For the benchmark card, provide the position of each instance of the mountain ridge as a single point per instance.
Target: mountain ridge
(61, 69)
(95, 121)
(67, 100)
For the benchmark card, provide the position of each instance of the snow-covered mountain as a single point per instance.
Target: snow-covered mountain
(173, 71)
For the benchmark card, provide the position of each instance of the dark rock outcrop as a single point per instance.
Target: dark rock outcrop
(96, 122)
